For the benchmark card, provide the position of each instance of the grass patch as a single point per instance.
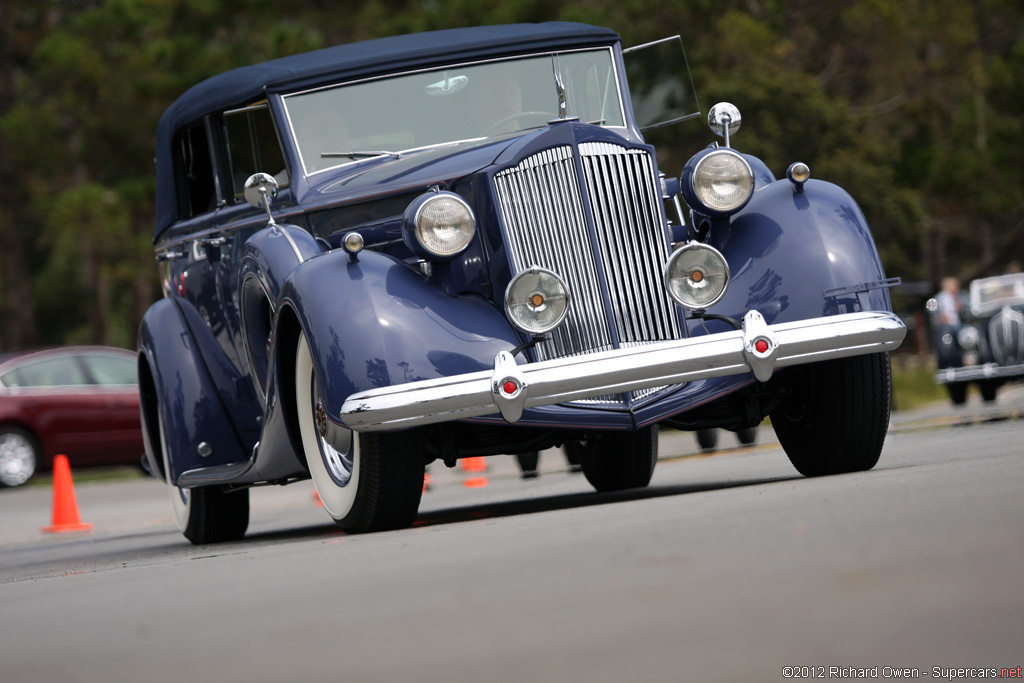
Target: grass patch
(913, 382)
(82, 475)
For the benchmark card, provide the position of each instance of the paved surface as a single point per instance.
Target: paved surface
(728, 568)
(25, 511)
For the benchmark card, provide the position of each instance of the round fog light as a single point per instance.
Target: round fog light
(697, 276)
(536, 300)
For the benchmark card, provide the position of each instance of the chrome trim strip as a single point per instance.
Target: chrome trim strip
(291, 242)
(651, 365)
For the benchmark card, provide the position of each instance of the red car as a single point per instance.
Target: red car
(80, 401)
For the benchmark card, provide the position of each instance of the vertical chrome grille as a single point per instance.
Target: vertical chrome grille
(1006, 336)
(544, 204)
(621, 185)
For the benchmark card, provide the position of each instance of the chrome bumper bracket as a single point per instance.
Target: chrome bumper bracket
(508, 387)
(760, 346)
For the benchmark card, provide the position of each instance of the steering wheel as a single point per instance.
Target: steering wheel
(493, 128)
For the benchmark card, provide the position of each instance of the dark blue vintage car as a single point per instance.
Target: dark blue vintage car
(458, 244)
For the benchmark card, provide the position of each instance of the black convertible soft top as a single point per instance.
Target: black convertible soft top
(347, 62)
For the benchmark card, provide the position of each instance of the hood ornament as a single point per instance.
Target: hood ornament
(563, 107)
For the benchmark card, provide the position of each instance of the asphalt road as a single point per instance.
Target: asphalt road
(728, 567)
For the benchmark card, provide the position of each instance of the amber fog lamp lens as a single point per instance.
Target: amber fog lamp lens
(800, 172)
(536, 301)
(697, 276)
(444, 225)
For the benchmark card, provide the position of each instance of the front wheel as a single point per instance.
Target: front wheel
(618, 460)
(747, 435)
(707, 439)
(837, 414)
(957, 392)
(366, 482)
(206, 514)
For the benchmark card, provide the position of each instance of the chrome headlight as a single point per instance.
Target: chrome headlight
(439, 225)
(536, 300)
(968, 338)
(697, 276)
(720, 181)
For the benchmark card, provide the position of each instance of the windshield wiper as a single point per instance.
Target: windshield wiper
(362, 155)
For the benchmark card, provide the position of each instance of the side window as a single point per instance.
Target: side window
(197, 192)
(111, 369)
(253, 146)
(54, 372)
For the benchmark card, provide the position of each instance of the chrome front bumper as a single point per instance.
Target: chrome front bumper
(509, 389)
(975, 373)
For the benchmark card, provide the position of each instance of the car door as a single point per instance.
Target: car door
(114, 380)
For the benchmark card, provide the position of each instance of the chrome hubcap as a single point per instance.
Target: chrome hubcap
(339, 463)
(17, 459)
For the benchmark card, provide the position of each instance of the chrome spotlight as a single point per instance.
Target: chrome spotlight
(536, 300)
(697, 276)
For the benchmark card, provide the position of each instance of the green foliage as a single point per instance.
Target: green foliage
(915, 107)
(913, 383)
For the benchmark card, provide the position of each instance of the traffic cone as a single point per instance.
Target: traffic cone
(65, 506)
(475, 464)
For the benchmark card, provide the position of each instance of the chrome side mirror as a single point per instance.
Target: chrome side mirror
(261, 188)
(724, 119)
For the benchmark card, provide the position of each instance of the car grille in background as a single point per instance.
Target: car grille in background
(543, 204)
(1006, 335)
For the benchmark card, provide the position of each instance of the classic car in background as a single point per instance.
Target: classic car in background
(987, 346)
(79, 401)
(457, 244)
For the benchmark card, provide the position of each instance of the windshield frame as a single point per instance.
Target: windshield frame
(990, 294)
(622, 111)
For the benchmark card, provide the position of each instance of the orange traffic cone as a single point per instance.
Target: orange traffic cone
(475, 464)
(65, 506)
(316, 498)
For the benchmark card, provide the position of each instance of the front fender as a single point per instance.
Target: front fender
(176, 383)
(376, 323)
(787, 249)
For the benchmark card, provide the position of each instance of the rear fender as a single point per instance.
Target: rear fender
(789, 252)
(374, 322)
(177, 384)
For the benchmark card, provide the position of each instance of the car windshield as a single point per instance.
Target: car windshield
(995, 292)
(342, 124)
